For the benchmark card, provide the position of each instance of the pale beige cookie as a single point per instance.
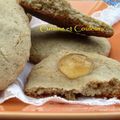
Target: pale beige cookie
(14, 41)
(60, 13)
(72, 74)
(49, 39)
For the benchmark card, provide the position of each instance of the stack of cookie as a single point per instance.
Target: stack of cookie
(69, 53)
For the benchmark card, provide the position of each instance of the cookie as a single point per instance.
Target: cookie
(48, 39)
(72, 74)
(29, 16)
(60, 13)
(15, 41)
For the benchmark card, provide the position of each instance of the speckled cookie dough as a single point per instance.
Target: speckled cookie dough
(60, 13)
(14, 41)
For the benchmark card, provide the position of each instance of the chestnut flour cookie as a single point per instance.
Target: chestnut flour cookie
(14, 41)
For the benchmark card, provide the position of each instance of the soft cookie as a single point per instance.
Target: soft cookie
(71, 74)
(46, 42)
(14, 41)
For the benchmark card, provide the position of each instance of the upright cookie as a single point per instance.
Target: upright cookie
(46, 42)
(14, 41)
(60, 13)
(72, 74)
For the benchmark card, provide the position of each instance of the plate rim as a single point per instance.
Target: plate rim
(34, 115)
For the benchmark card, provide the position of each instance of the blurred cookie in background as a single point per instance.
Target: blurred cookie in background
(49, 39)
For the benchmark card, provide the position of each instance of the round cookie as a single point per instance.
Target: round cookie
(14, 41)
(46, 42)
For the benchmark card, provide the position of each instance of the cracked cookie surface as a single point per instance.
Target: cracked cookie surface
(14, 41)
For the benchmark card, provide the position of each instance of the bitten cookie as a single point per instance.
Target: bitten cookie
(60, 13)
(72, 74)
(46, 42)
(14, 41)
